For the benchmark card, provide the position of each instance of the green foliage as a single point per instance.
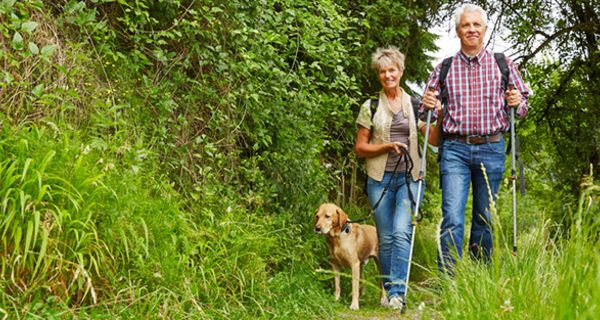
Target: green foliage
(162, 159)
(49, 238)
(550, 277)
(85, 227)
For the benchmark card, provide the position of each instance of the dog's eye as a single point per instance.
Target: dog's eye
(328, 216)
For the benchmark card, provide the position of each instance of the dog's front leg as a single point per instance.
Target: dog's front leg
(362, 287)
(336, 280)
(355, 285)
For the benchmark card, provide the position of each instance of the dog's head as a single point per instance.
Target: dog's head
(328, 218)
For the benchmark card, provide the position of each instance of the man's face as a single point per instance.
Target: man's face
(471, 31)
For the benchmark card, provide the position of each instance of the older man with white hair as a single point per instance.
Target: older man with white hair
(476, 88)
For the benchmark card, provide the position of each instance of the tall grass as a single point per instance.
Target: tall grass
(91, 233)
(48, 236)
(84, 234)
(555, 275)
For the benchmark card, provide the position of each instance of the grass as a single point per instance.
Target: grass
(550, 278)
(85, 236)
(48, 237)
(85, 239)
(555, 274)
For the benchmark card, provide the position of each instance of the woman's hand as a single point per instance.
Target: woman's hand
(396, 146)
(365, 149)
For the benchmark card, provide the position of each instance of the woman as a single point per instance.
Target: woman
(394, 127)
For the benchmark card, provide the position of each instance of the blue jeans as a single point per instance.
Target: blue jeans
(394, 228)
(460, 166)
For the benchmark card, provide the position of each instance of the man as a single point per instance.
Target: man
(474, 117)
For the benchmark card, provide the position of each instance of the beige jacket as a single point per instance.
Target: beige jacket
(382, 122)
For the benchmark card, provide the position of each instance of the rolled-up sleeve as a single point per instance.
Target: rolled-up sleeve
(364, 115)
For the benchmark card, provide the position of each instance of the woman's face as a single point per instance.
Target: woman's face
(389, 76)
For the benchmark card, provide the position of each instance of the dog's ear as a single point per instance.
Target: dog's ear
(342, 217)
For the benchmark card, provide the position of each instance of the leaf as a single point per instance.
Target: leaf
(48, 50)
(28, 236)
(38, 90)
(42, 252)
(17, 235)
(29, 26)
(17, 40)
(6, 6)
(33, 48)
(25, 169)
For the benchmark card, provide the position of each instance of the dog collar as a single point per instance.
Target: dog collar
(346, 227)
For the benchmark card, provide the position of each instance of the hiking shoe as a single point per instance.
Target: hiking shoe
(397, 303)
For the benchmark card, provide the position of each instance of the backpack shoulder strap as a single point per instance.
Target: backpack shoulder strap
(415, 102)
(501, 62)
(446, 64)
(415, 105)
(373, 106)
(445, 68)
(442, 78)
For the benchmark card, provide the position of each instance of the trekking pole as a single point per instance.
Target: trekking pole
(418, 201)
(513, 172)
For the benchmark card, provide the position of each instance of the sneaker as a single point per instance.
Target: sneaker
(397, 303)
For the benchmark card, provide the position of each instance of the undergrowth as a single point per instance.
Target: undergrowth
(162, 159)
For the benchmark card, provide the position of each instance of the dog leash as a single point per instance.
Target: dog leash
(409, 167)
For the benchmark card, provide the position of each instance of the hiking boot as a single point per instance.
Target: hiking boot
(397, 303)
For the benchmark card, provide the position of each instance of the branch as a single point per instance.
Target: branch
(496, 25)
(551, 103)
(527, 57)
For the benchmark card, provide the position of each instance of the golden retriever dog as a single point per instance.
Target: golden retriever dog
(350, 245)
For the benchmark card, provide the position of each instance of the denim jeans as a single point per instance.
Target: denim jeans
(394, 228)
(460, 166)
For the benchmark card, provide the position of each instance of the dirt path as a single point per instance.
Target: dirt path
(418, 312)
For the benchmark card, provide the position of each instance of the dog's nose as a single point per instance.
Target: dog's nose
(317, 229)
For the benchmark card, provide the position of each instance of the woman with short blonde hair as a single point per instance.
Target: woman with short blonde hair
(387, 56)
(380, 138)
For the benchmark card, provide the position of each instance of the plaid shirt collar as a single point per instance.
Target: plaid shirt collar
(476, 59)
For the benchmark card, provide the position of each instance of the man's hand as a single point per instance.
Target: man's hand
(513, 97)
(431, 101)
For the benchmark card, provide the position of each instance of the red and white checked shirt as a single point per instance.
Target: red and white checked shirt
(476, 99)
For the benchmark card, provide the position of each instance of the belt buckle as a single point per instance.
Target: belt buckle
(468, 139)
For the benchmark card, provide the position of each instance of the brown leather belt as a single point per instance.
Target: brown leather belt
(475, 139)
